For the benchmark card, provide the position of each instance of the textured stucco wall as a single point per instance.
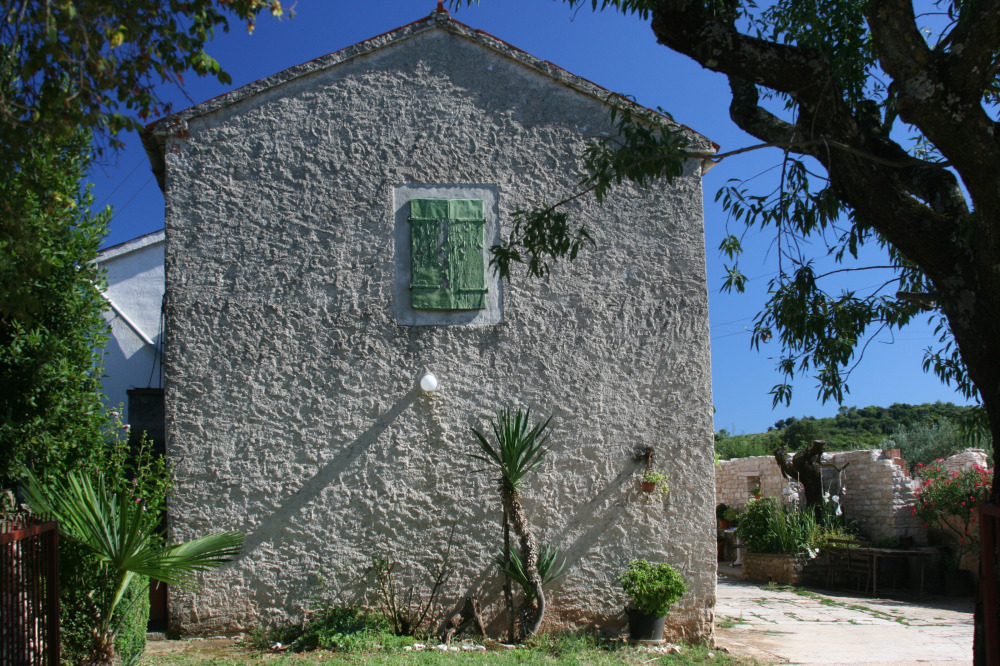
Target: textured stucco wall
(293, 411)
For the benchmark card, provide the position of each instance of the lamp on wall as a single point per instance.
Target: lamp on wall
(429, 383)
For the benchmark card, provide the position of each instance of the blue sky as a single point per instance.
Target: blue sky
(620, 54)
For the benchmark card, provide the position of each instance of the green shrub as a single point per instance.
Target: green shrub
(332, 627)
(52, 327)
(653, 587)
(83, 583)
(946, 501)
(132, 620)
(923, 444)
(754, 529)
(767, 528)
(791, 530)
(744, 446)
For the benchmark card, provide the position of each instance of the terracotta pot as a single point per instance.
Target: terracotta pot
(723, 524)
(648, 486)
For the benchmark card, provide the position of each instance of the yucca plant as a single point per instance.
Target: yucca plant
(518, 450)
(550, 569)
(126, 539)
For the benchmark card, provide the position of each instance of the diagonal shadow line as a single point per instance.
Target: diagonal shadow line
(602, 518)
(281, 519)
(487, 581)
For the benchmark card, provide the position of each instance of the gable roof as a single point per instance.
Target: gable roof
(129, 246)
(155, 135)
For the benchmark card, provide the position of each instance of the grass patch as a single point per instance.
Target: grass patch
(546, 649)
(827, 601)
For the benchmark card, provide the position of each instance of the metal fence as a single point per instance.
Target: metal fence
(29, 591)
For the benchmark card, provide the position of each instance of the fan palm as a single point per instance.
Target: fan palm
(519, 449)
(127, 540)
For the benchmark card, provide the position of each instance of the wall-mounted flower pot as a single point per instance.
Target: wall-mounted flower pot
(648, 486)
(643, 627)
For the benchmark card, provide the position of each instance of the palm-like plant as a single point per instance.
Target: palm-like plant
(126, 539)
(519, 449)
(550, 568)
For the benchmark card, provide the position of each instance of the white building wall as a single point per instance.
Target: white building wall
(292, 407)
(134, 295)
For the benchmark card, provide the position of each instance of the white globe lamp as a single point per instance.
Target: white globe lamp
(429, 383)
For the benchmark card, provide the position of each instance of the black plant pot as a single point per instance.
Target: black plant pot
(644, 627)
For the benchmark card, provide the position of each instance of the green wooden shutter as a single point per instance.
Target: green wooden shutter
(446, 254)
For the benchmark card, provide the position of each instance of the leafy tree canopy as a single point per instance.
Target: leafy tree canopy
(924, 432)
(96, 63)
(885, 115)
(72, 71)
(51, 328)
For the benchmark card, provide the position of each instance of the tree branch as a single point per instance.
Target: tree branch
(972, 46)
(935, 98)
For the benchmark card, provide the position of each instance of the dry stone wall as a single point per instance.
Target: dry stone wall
(966, 459)
(734, 480)
(875, 489)
(293, 407)
(873, 486)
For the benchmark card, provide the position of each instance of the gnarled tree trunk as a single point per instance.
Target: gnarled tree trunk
(529, 557)
(806, 468)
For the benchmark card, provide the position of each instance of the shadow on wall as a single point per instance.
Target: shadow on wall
(280, 521)
(602, 512)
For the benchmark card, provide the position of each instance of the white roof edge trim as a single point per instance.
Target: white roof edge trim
(171, 124)
(130, 246)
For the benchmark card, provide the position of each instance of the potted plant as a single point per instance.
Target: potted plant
(655, 482)
(720, 515)
(653, 588)
(732, 516)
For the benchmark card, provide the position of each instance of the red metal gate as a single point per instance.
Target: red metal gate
(989, 531)
(29, 591)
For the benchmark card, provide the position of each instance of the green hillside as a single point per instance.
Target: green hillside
(923, 432)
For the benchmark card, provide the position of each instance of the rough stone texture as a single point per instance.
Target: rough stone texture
(775, 568)
(293, 412)
(874, 489)
(966, 459)
(732, 480)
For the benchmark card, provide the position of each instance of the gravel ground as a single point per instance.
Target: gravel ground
(780, 625)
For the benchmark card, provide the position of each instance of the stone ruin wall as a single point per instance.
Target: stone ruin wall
(733, 479)
(874, 486)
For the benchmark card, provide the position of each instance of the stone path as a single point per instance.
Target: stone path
(779, 625)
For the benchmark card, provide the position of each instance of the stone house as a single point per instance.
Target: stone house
(308, 291)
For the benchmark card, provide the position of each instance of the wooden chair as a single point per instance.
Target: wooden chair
(850, 558)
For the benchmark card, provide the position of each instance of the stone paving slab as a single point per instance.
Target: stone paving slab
(782, 625)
